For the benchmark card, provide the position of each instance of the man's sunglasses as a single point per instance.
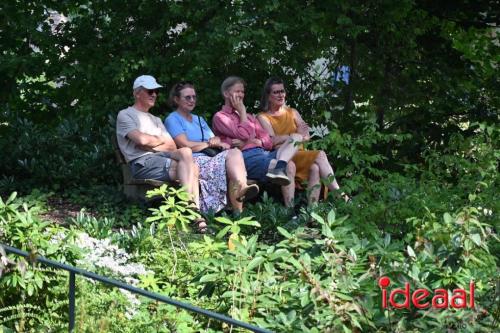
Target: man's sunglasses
(151, 91)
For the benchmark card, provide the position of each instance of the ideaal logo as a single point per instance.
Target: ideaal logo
(440, 297)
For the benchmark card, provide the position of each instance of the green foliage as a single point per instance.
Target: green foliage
(432, 224)
(52, 160)
(424, 226)
(417, 68)
(234, 227)
(30, 297)
(23, 228)
(176, 210)
(106, 311)
(97, 228)
(327, 281)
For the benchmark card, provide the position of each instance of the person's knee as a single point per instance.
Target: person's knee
(314, 175)
(186, 154)
(234, 154)
(322, 158)
(314, 170)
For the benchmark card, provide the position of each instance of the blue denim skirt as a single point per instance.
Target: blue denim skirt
(257, 162)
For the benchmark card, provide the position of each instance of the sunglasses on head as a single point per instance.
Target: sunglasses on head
(151, 91)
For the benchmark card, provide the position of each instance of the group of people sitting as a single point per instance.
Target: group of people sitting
(214, 164)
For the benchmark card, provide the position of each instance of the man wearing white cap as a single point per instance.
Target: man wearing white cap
(147, 146)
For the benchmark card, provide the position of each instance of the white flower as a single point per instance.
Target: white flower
(319, 130)
(487, 212)
(101, 253)
(134, 303)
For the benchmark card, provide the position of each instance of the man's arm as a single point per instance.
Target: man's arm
(151, 142)
(169, 145)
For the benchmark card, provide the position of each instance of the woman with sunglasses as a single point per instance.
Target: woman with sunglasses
(281, 121)
(190, 130)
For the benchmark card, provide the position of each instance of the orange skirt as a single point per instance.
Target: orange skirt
(303, 160)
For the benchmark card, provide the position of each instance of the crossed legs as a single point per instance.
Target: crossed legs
(287, 150)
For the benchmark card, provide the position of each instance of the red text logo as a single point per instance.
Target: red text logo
(419, 297)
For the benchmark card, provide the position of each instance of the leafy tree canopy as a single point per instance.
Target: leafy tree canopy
(420, 67)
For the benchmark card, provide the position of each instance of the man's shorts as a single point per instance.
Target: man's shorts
(257, 162)
(152, 166)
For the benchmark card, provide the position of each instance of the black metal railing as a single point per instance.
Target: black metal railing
(73, 271)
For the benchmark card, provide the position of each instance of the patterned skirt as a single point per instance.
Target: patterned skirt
(213, 182)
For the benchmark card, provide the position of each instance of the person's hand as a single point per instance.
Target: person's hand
(145, 148)
(224, 146)
(303, 128)
(237, 103)
(256, 141)
(237, 143)
(214, 142)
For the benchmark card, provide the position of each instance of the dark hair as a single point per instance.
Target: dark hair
(264, 99)
(176, 92)
(229, 82)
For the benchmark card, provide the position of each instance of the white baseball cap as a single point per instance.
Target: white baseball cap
(146, 81)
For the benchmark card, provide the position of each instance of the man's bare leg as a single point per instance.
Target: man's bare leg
(185, 170)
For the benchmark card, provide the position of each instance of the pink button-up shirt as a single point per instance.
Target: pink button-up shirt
(226, 124)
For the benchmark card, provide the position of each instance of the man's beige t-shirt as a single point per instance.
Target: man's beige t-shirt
(130, 119)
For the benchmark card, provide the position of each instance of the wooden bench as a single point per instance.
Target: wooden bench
(133, 188)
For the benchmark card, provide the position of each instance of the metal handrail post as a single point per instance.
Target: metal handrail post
(71, 295)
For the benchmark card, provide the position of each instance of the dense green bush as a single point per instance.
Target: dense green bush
(434, 225)
(416, 68)
(33, 295)
(75, 153)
